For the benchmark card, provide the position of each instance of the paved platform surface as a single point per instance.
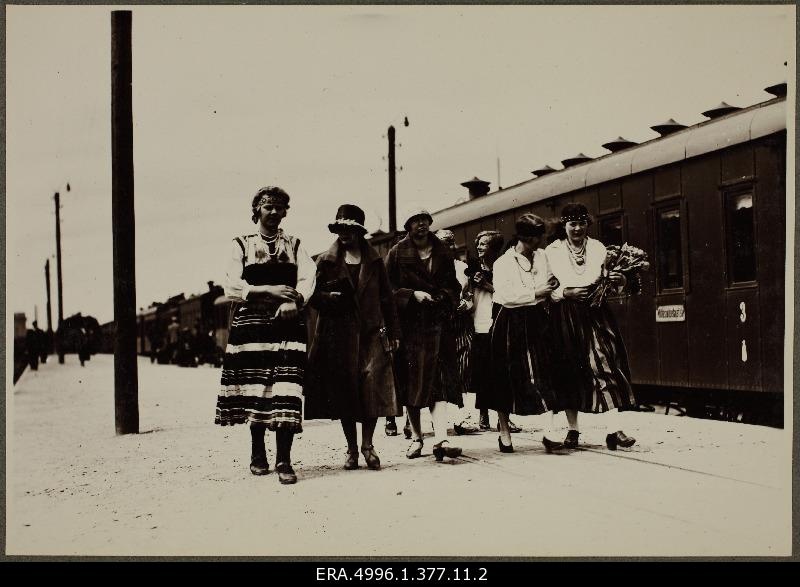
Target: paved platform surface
(182, 486)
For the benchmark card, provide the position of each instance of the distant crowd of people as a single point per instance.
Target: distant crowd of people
(416, 331)
(183, 346)
(40, 344)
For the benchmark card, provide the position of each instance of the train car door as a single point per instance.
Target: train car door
(742, 295)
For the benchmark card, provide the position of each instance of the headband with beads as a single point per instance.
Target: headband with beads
(575, 218)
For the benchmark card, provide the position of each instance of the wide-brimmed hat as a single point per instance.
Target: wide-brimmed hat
(348, 217)
(413, 213)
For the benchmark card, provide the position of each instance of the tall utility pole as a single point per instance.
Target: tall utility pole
(49, 338)
(59, 282)
(126, 384)
(392, 186)
(47, 286)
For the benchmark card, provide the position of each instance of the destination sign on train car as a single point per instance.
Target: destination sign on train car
(670, 313)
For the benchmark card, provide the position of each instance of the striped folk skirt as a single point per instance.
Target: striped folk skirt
(592, 364)
(464, 333)
(520, 364)
(263, 370)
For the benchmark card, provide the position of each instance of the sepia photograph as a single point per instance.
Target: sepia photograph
(399, 282)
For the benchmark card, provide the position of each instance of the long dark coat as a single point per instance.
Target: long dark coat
(426, 366)
(350, 373)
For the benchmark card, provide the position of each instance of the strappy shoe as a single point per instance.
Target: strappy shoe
(414, 452)
(351, 461)
(373, 462)
(391, 428)
(512, 428)
(618, 438)
(286, 474)
(571, 440)
(504, 447)
(551, 445)
(483, 423)
(440, 451)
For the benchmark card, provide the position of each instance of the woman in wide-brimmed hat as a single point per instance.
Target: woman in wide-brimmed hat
(521, 372)
(592, 371)
(351, 376)
(427, 292)
(271, 276)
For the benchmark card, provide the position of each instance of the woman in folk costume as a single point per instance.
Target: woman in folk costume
(427, 292)
(520, 357)
(351, 377)
(271, 276)
(593, 373)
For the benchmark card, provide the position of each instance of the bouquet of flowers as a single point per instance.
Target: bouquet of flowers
(628, 260)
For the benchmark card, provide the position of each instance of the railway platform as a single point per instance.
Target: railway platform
(182, 487)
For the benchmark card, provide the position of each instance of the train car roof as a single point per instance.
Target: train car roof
(738, 127)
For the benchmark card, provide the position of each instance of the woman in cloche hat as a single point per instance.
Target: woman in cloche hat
(351, 376)
(427, 292)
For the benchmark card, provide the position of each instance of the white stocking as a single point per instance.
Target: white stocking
(440, 422)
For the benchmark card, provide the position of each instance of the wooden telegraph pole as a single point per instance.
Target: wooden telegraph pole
(59, 281)
(392, 185)
(126, 384)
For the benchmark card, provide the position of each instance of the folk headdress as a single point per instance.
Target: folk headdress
(575, 213)
(266, 195)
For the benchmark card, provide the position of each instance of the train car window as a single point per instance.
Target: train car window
(669, 254)
(740, 237)
(611, 230)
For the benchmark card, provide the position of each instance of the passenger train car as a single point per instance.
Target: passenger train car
(708, 204)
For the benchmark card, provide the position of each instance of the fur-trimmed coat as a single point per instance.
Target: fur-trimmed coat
(426, 365)
(350, 373)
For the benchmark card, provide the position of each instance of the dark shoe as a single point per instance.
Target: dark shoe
(440, 451)
(351, 462)
(407, 430)
(391, 428)
(513, 428)
(373, 462)
(483, 423)
(258, 452)
(504, 447)
(414, 451)
(286, 474)
(465, 427)
(618, 438)
(551, 445)
(259, 465)
(571, 440)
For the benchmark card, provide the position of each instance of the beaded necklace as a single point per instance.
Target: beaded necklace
(577, 257)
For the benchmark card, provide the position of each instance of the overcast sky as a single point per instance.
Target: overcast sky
(228, 99)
